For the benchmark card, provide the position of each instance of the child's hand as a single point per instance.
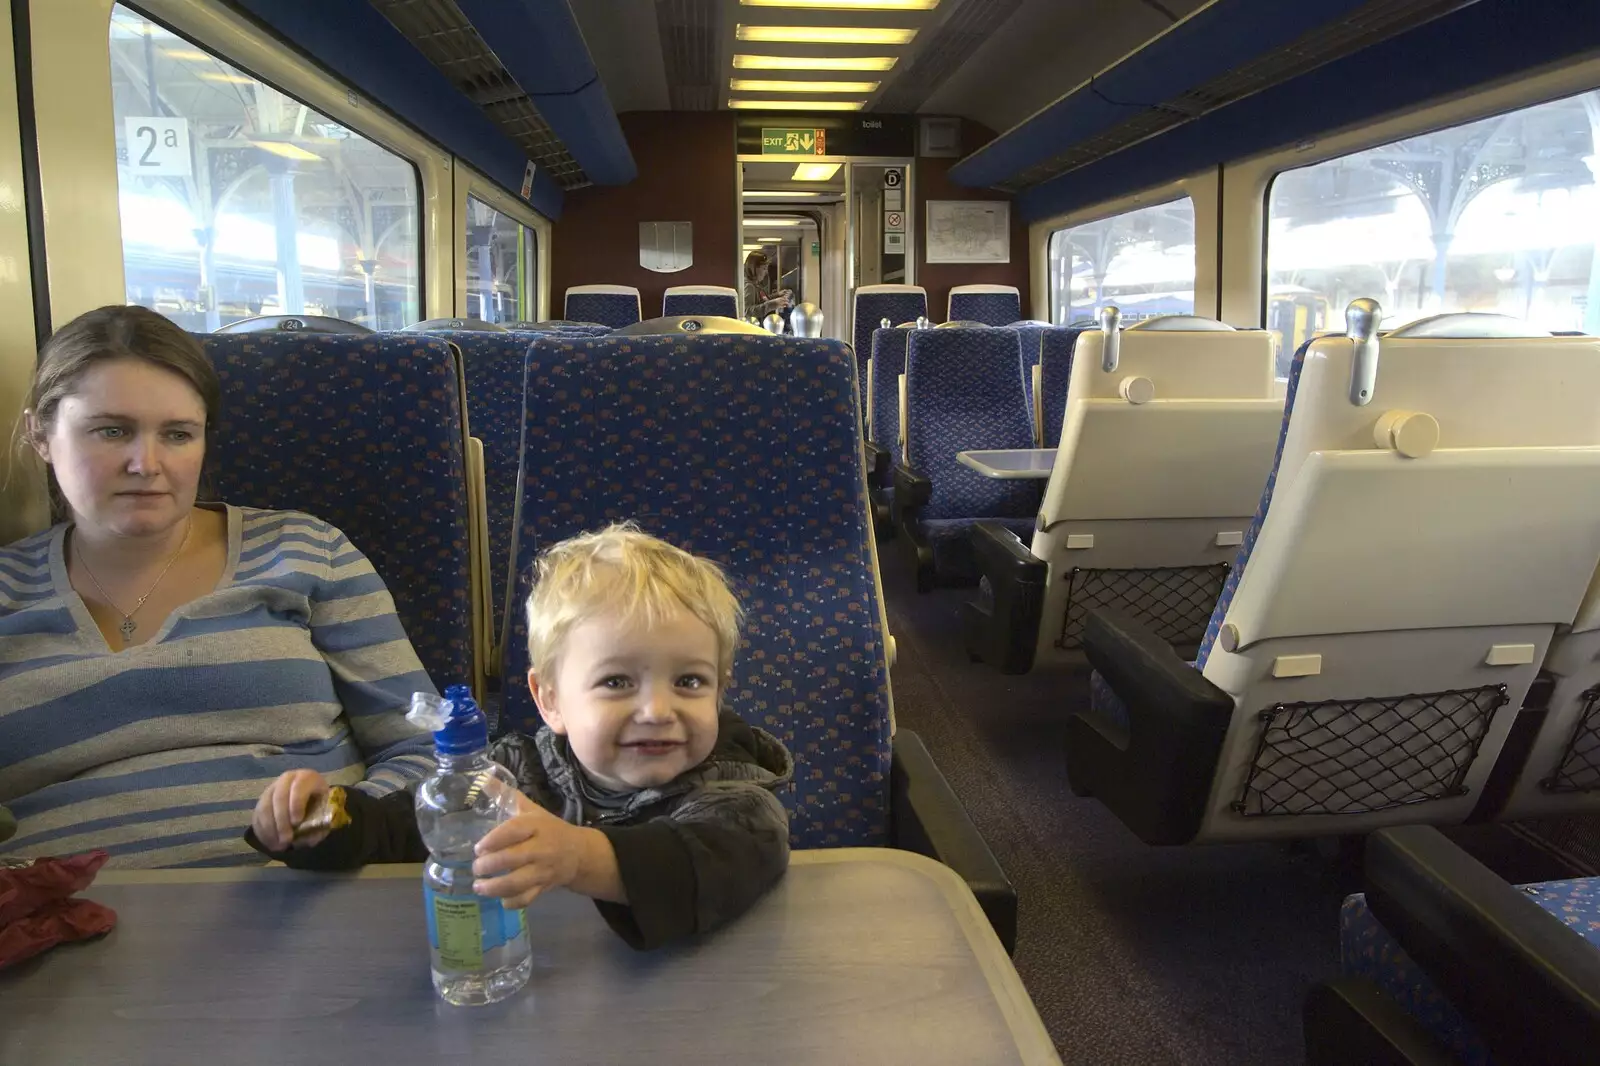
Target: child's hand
(531, 852)
(283, 806)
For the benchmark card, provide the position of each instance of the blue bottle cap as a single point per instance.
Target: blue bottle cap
(466, 730)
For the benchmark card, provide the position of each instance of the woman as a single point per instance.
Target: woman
(165, 663)
(759, 299)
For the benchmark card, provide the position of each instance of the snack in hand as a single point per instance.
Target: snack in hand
(325, 813)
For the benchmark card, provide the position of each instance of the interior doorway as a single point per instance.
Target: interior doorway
(792, 239)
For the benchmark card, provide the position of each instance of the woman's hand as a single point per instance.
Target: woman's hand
(283, 806)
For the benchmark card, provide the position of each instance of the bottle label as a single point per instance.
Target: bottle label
(462, 928)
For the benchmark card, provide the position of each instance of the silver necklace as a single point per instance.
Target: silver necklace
(128, 625)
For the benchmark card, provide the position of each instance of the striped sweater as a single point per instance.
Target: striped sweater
(158, 753)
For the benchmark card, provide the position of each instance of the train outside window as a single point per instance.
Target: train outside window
(1496, 215)
(239, 200)
(1142, 261)
(501, 265)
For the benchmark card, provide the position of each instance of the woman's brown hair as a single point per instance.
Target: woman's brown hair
(99, 336)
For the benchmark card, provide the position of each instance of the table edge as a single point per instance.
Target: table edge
(966, 459)
(1016, 1006)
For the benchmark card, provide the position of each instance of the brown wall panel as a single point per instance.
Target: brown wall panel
(686, 174)
(933, 183)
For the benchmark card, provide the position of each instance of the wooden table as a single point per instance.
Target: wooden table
(859, 955)
(1011, 464)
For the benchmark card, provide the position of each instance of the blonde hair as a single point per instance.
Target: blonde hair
(641, 578)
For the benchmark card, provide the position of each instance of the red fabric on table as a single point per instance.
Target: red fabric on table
(36, 908)
(61, 921)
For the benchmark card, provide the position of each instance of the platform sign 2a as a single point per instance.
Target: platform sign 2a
(793, 141)
(158, 147)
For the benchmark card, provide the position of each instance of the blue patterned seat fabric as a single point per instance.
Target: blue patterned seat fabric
(990, 308)
(747, 450)
(700, 303)
(871, 308)
(1056, 346)
(1366, 949)
(611, 309)
(1029, 337)
(492, 364)
(888, 363)
(365, 433)
(964, 392)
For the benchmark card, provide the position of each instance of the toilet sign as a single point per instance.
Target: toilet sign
(158, 147)
(893, 177)
(894, 221)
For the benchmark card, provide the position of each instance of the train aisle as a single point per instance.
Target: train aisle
(1133, 954)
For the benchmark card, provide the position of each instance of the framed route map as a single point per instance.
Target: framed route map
(969, 231)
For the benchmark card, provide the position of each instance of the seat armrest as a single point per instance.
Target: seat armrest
(927, 818)
(877, 464)
(1528, 984)
(1155, 774)
(1350, 1022)
(1002, 627)
(912, 491)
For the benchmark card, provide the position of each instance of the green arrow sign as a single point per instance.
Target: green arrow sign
(793, 142)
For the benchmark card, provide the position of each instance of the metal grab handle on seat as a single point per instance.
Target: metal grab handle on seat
(1110, 351)
(1361, 320)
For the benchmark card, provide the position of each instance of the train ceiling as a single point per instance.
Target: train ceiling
(1068, 83)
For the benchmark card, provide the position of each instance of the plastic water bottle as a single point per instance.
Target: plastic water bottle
(479, 948)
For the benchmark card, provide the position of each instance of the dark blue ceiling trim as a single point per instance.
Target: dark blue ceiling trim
(1489, 41)
(1211, 42)
(364, 49)
(539, 44)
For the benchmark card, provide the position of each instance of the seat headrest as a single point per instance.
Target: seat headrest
(294, 324)
(429, 325)
(1468, 324)
(1182, 323)
(696, 324)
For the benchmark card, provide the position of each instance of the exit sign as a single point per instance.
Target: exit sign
(793, 142)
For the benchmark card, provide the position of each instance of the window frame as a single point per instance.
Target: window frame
(71, 45)
(1247, 184)
(1201, 189)
(471, 182)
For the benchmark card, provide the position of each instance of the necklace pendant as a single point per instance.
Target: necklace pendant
(128, 626)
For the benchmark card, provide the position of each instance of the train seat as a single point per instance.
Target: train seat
(458, 325)
(562, 325)
(774, 490)
(1372, 645)
(613, 306)
(1164, 438)
(1561, 774)
(492, 369)
(884, 370)
(993, 305)
(1052, 378)
(872, 305)
(1442, 961)
(962, 391)
(1030, 338)
(368, 433)
(720, 300)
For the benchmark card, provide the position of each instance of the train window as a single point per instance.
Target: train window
(1497, 215)
(238, 200)
(1140, 260)
(501, 270)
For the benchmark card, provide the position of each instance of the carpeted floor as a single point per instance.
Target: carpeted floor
(1132, 954)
